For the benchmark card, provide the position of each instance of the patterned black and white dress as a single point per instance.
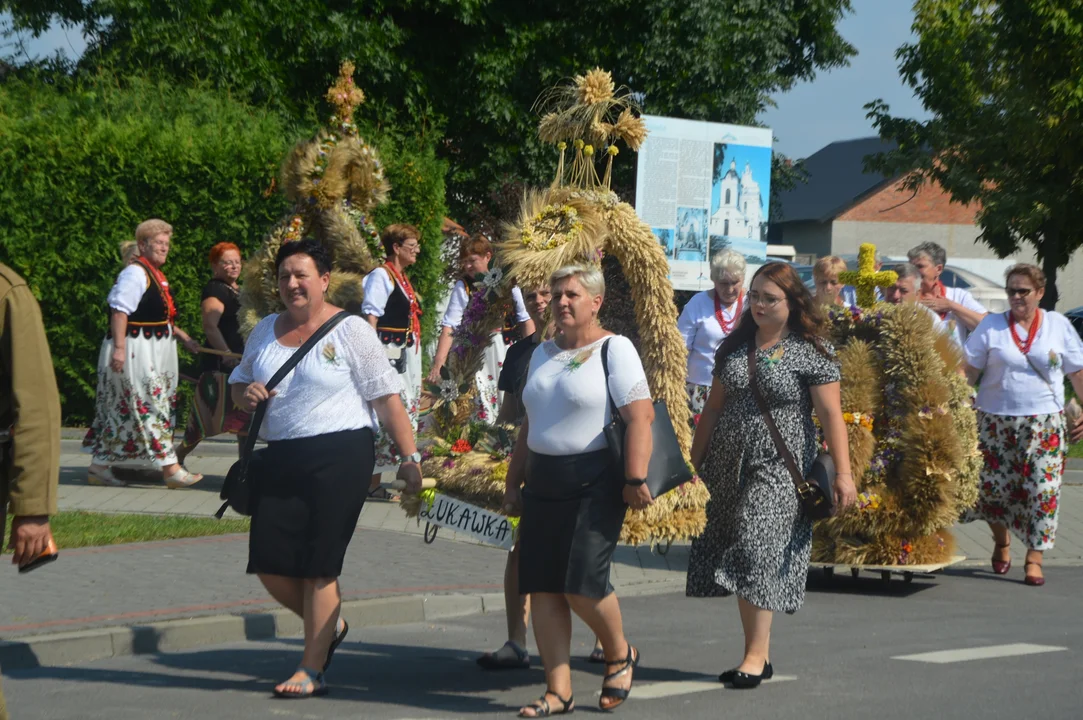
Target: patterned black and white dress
(757, 540)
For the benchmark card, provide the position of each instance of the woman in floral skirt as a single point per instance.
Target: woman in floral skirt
(475, 256)
(137, 369)
(1021, 358)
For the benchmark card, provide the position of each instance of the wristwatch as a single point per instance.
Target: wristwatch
(415, 458)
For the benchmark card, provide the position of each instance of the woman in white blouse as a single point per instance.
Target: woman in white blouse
(318, 425)
(574, 499)
(475, 255)
(1021, 357)
(392, 307)
(954, 305)
(707, 319)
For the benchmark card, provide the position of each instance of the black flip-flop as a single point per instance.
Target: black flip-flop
(314, 680)
(335, 643)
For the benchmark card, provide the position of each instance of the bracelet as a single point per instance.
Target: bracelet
(635, 483)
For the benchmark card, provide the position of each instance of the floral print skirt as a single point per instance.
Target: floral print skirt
(133, 413)
(387, 455)
(697, 400)
(1020, 482)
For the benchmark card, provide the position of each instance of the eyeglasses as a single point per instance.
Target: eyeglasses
(1021, 292)
(767, 301)
(411, 248)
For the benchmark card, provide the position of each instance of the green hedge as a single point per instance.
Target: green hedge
(81, 164)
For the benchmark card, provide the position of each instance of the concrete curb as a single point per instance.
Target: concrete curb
(81, 646)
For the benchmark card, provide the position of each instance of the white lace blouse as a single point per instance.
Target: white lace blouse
(565, 394)
(330, 390)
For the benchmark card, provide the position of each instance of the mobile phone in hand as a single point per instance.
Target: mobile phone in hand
(48, 555)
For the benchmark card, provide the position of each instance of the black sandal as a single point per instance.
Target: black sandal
(335, 643)
(597, 656)
(541, 706)
(615, 693)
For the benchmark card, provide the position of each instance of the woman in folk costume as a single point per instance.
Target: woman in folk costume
(137, 369)
(475, 256)
(392, 307)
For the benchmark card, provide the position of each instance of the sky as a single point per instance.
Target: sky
(806, 118)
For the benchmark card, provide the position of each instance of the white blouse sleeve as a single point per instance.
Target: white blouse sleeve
(373, 375)
(967, 300)
(128, 289)
(1071, 348)
(687, 322)
(378, 288)
(627, 381)
(976, 350)
(521, 315)
(257, 340)
(455, 307)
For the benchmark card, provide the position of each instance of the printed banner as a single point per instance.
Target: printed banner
(478, 523)
(703, 188)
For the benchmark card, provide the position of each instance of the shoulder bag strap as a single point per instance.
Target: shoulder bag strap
(780, 445)
(298, 355)
(613, 410)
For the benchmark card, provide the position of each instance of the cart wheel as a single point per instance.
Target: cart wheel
(829, 572)
(662, 550)
(908, 577)
(854, 572)
(885, 577)
(430, 533)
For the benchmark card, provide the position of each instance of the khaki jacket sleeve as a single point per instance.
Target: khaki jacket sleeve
(34, 466)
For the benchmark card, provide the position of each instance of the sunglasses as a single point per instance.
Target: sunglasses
(1020, 292)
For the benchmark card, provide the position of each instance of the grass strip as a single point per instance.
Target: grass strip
(86, 529)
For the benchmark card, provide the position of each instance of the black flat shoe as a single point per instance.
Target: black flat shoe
(767, 674)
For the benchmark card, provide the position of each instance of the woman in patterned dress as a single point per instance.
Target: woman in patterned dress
(757, 541)
(394, 309)
(137, 369)
(707, 319)
(1022, 357)
(475, 255)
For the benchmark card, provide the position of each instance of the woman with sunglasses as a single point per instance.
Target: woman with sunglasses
(394, 309)
(1022, 357)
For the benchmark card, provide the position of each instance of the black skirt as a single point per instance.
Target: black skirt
(573, 511)
(310, 494)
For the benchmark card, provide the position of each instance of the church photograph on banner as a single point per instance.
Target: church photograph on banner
(703, 188)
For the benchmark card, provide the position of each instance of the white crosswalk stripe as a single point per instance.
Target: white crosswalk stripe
(943, 657)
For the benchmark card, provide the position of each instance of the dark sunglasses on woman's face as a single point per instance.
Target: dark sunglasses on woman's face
(1021, 292)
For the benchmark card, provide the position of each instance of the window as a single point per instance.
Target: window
(727, 197)
(726, 223)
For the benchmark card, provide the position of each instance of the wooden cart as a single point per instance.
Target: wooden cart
(887, 572)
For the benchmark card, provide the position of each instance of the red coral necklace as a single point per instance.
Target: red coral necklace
(727, 325)
(415, 307)
(1024, 347)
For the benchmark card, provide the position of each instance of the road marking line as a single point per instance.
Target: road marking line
(943, 657)
(654, 691)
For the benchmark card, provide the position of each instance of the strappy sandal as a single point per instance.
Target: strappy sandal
(615, 693)
(312, 686)
(181, 478)
(597, 656)
(542, 708)
(339, 637)
(103, 476)
(520, 659)
(1001, 567)
(383, 494)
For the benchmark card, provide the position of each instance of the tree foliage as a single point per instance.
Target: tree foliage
(471, 69)
(1002, 80)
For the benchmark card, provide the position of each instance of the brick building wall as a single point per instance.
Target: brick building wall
(895, 204)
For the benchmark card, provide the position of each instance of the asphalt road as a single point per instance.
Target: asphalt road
(1005, 651)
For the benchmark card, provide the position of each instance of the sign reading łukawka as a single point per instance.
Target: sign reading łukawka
(478, 523)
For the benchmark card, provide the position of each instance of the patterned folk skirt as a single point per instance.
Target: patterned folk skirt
(488, 397)
(697, 400)
(133, 413)
(1020, 482)
(387, 455)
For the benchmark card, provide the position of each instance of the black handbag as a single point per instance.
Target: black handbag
(667, 468)
(815, 492)
(239, 491)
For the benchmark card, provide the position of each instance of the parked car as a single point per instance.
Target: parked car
(984, 290)
(1075, 316)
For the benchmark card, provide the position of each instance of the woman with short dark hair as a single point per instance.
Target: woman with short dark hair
(1022, 357)
(318, 425)
(393, 307)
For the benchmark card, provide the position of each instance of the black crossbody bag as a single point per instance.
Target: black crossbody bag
(667, 469)
(239, 491)
(815, 492)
